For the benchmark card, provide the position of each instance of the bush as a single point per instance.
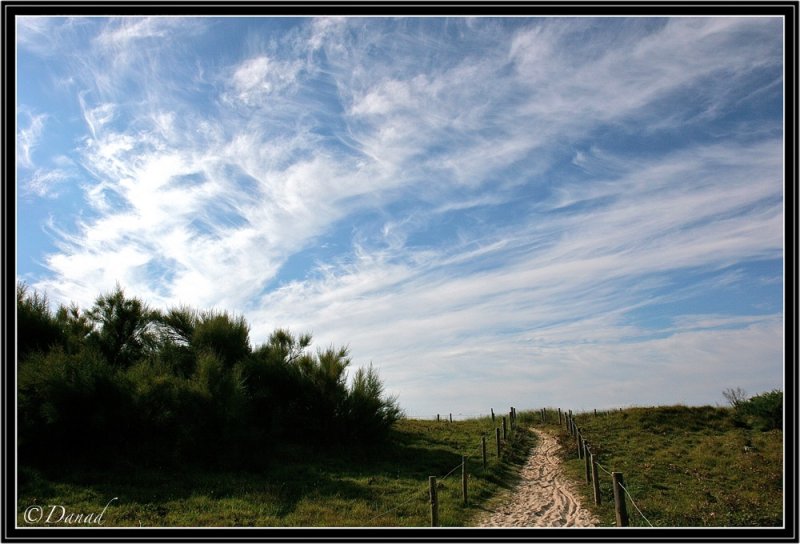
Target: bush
(274, 390)
(123, 328)
(763, 412)
(73, 408)
(37, 327)
(124, 382)
(171, 418)
(228, 337)
(369, 414)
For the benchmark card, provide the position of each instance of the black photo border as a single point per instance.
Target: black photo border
(11, 9)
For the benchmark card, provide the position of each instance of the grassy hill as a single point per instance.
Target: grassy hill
(302, 487)
(683, 466)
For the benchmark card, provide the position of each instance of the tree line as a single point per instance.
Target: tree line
(125, 383)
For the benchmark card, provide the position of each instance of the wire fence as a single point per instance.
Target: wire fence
(567, 419)
(421, 494)
(416, 497)
(456, 416)
(575, 431)
(634, 505)
(601, 467)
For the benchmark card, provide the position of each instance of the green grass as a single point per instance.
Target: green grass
(683, 466)
(301, 487)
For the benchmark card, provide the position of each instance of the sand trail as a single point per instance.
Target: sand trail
(544, 497)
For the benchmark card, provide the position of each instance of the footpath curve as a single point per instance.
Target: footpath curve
(544, 497)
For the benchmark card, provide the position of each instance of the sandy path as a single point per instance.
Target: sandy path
(544, 497)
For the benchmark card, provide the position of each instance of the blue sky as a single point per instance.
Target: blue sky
(573, 212)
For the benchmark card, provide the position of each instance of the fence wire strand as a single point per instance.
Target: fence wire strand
(440, 479)
(399, 506)
(601, 467)
(458, 466)
(634, 505)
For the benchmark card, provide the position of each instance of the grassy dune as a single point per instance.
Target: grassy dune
(683, 466)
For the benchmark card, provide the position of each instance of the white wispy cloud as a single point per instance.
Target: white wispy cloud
(124, 30)
(255, 79)
(44, 183)
(28, 137)
(96, 117)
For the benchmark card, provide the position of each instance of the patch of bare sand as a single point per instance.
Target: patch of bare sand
(544, 497)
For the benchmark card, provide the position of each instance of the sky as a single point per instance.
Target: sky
(567, 212)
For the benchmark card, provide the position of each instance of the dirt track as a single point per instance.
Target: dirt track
(543, 498)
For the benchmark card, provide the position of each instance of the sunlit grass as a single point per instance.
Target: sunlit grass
(683, 466)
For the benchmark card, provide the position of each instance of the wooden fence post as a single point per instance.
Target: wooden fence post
(559, 418)
(504, 427)
(619, 499)
(587, 463)
(595, 481)
(578, 439)
(511, 419)
(464, 478)
(483, 450)
(492, 409)
(451, 418)
(437, 417)
(497, 439)
(434, 501)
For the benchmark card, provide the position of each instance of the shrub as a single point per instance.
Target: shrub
(75, 326)
(172, 415)
(124, 330)
(37, 327)
(227, 336)
(274, 391)
(73, 408)
(122, 381)
(178, 324)
(370, 414)
(764, 411)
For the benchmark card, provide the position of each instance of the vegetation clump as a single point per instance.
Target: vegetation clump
(125, 383)
(762, 412)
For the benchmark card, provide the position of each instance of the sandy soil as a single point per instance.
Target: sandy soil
(544, 497)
